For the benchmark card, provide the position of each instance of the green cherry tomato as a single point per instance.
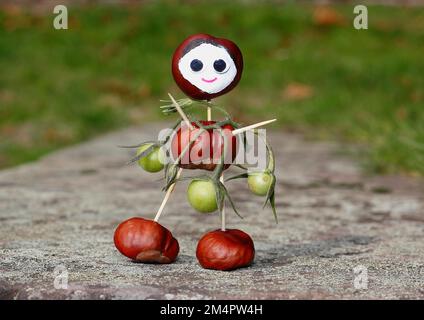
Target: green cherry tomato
(201, 195)
(259, 182)
(154, 161)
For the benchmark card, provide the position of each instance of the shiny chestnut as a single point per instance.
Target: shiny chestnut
(146, 241)
(205, 67)
(225, 250)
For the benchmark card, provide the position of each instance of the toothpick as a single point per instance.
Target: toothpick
(209, 117)
(180, 111)
(167, 195)
(252, 126)
(223, 207)
(209, 113)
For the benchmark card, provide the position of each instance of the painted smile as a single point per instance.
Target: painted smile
(209, 81)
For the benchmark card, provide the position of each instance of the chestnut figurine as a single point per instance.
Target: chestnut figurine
(205, 67)
(225, 250)
(146, 241)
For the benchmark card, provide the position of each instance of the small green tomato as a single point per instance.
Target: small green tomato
(201, 195)
(154, 161)
(259, 182)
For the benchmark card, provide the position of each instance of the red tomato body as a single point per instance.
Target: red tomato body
(206, 151)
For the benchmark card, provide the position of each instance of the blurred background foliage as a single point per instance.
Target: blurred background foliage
(304, 64)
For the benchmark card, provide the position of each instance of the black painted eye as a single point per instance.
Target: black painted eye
(196, 65)
(219, 65)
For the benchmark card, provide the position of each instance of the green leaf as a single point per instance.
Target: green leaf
(142, 154)
(241, 166)
(226, 194)
(270, 189)
(238, 176)
(270, 197)
(202, 177)
(220, 196)
(171, 171)
(272, 203)
(137, 145)
(170, 108)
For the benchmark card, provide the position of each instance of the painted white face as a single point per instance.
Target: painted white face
(208, 67)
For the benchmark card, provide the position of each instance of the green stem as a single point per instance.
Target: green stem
(270, 154)
(215, 125)
(210, 104)
(175, 126)
(219, 168)
(271, 158)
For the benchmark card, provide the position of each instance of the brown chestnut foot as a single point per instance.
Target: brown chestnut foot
(146, 241)
(225, 250)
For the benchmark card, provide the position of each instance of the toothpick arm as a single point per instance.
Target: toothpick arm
(252, 126)
(180, 111)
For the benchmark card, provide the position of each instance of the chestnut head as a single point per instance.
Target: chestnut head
(205, 67)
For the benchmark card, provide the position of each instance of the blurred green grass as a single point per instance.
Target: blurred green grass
(306, 66)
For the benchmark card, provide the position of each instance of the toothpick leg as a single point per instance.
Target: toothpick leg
(209, 117)
(171, 188)
(223, 208)
(166, 198)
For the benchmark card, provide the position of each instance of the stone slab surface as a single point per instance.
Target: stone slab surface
(62, 211)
